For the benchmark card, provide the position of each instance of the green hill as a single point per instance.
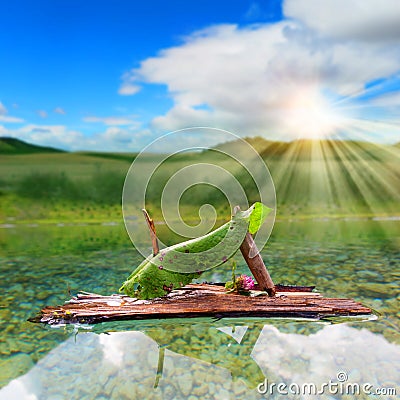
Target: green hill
(317, 150)
(326, 176)
(11, 146)
(323, 177)
(324, 149)
(129, 157)
(340, 150)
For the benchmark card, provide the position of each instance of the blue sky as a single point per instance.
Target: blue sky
(107, 75)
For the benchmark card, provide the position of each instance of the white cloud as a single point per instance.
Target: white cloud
(60, 136)
(50, 135)
(115, 138)
(369, 20)
(128, 89)
(7, 118)
(364, 355)
(42, 113)
(380, 98)
(3, 110)
(247, 79)
(129, 86)
(59, 110)
(182, 116)
(112, 120)
(118, 135)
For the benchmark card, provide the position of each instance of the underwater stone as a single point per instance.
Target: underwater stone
(14, 366)
(185, 384)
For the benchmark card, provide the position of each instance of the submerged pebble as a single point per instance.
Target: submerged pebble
(200, 360)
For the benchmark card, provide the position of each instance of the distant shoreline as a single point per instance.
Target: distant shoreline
(10, 222)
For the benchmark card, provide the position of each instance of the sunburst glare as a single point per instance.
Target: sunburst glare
(310, 115)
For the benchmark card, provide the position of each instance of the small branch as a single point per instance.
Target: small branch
(256, 265)
(153, 234)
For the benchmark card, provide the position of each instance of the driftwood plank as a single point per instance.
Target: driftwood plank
(199, 300)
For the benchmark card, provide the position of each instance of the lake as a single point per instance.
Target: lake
(201, 358)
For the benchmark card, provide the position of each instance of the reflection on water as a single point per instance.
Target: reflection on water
(200, 358)
(206, 360)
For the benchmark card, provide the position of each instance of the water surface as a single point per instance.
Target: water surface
(202, 358)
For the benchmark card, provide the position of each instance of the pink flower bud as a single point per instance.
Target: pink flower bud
(245, 282)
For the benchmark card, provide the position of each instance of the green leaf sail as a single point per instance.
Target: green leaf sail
(259, 214)
(176, 266)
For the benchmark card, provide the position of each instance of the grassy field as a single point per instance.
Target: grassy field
(312, 179)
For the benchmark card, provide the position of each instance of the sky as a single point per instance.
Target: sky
(113, 76)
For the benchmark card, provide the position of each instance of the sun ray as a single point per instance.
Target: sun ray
(376, 166)
(321, 188)
(335, 161)
(311, 115)
(374, 90)
(368, 178)
(283, 166)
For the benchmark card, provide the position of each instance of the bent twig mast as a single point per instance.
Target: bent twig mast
(256, 265)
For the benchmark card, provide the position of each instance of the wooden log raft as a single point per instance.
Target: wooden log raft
(200, 300)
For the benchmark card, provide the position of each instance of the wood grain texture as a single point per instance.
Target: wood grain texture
(199, 300)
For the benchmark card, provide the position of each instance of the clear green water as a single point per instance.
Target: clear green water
(202, 358)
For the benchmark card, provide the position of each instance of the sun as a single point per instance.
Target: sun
(311, 116)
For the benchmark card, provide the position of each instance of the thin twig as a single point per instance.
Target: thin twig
(153, 234)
